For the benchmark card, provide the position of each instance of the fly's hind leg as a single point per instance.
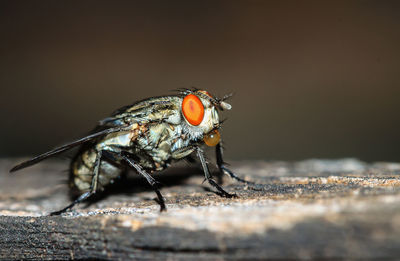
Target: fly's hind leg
(92, 190)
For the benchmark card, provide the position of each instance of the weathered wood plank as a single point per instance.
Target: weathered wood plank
(309, 209)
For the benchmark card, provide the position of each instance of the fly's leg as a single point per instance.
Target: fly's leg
(208, 177)
(81, 198)
(92, 190)
(224, 169)
(190, 159)
(153, 183)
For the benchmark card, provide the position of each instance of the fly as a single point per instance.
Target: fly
(146, 136)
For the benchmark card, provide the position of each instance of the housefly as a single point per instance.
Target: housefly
(146, 136)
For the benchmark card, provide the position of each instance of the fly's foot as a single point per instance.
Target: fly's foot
(251, 185)
(81, 198)
(230, 195)
(59, 212)
(221, 191)
(160, 201)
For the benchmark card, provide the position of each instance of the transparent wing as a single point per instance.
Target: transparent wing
(67, 147)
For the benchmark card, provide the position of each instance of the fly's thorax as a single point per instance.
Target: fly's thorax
(166, 109)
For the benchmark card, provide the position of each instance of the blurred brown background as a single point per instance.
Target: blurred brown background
(311, 78)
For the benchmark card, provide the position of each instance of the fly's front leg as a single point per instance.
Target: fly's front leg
(208, 177)
(92, 190)
(223, 169)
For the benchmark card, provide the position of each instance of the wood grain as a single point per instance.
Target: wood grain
(314, 209)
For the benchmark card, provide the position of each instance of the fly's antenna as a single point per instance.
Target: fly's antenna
(224, 105)
(227, 96)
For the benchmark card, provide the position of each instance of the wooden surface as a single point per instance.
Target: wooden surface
(309, 210)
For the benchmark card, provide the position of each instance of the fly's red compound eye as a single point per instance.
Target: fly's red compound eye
(212, 138)
(193, 109)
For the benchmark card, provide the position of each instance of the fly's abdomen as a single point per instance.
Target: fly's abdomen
(82, 172)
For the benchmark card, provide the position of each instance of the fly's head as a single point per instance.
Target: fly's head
(200, 113)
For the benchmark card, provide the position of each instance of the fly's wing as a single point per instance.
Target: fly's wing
(68, 146)
(156, 109)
